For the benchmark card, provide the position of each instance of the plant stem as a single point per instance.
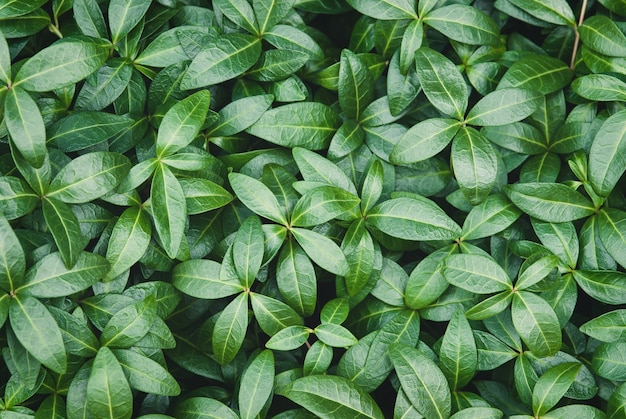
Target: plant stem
(583, 9)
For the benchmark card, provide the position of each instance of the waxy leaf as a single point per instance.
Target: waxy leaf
(504, 106)
(200, 278)
(81, 130)
(329, 396)
(424, 140)
(230, 329)
(310, 125)
(493, 215)
(552, 11)
(203, 407)
(457, 355)
(609, 361)
(296, 280)
(355, 85)
(257, 197)
(552, 202)
(240, 12)
(322, 204)
(65, 62)
(608, 327)
(413, 219)
(601, 34)
(248, 250)
(124, 15)
(387, 9)
(476, 273)
(552, 385)
(254, 391)
(127, 326)
(273, 315)
(37, 331)
(611, 224)
(536, 323)
(169, 211)
(25, 125)
(322, 250)
(108, 391)
(537, 73)
(129, 240)
(608, 154)
(605, 286)
(600, 87)
(12, 259)
(291, 337)
(146, 375)
(269, 12)
(5, 60)
(240, 114)
(464, 24)
(335, 335)
(65, 229)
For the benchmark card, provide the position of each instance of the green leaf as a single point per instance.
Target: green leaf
(552, 202)
(89, 176)
(536, 271)
(257, 197)
(315, 168)
(65, 229)
(355, 85)
(129, 240)
(5, 61)
(37, 331)
(552, 11)
(239, 114)
(89, 18)
(77, 337)
(25, 125)
(491, 351)
(290, 37)
(458, 355)
(169, 210)
(240, 12)
(254, 390)
(490, 306)
(442, 82)
(609, 361)
(552, 385)
(601, 34)
(600, 87)
(230, 329)
(146, 375)
(200, 278)
(611, 224)
(163, 51)
(493, 215)
(424, 140)
(426, 282)
(335, 311)
(617, 405)
(422, 381)
(65, 62)
(50, 278)
(373, 185)
(413, 219)
(403, 88)
(227, 57)
(560, 238)
(248, 250)
(296, 280)
(124, 15)
(14, 8)
(273, 315)
(306, 124)
(385, 10)
(291, 337)
(108, 392)
(202, 195)
(464, 23)
(322, 204)
(504, 106)
(127, 326)
(12, 258)
(269, 12)
(475, 164)
(608, 327)
(411, 41)
(605, 286)
(358, 246)
(203, 407)
(181, 123)
(82, 130)
(536, 323)
(580, 410)
(536, 72)
(322, 250)
(335, 335)
(479, 274)
(105, 85)
(518, 136)
(607, 154)
(329, 396)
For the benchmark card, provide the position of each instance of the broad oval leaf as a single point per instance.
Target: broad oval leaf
(458, 355)
(146, 375)
(291, 337)
(25, 125)
(257, 197)
(322, 250)
(608, 153)
(553, 11)
(230, 329)
(124, 15)
(606, 286)
(424, 140)
(611, 224)
(608, 327)
(552, 202)
(335, 335)
(329, 396)
(601, 34)
(493, 215)
(89, 176)
(240, 114)
(127, 326)
(600, 87)
(65, 230)
(65, 62)
(322, 204)
(310, 125)
(200, 278)
(273, 315)
(464, 23)
(82, 130)
(413, 219)
(538, 73)
(476, 273)
(37, 331)
(254, 390)
(128, 242)
(536, 323)
(108, 391)
(504, 106)
(552, 385)
(201, 407)
(609, 361)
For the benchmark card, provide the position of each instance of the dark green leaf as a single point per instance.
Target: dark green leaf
(269, 12)
(426, 282)
(124, 15)
(605, 286)
(81, 130)
(65, 229)
(203, 407)
(127, 326)
(146, 375)
(387, 9)
(424, 140)
(458, 355)
(248, 250)
(164, 50)
(536, 323)
(257, 197)
(465, 24)
(504, 106)
(602, 34)
(296, 280)
(322, 250)
(238, 115)
(493, 215)
(169, 210)
(105, 85)
(230, 329)
(476, 273)
(355, 85)
(12, 259)
(609, 361)
(129, 240)
(254, 391)
(536, 72)
(108, 393)
(607, 153)
(552, 385)
(608, 327)
(291, 337)
(611, 224)
(25, 125)
(552, 202)
(600, 87)
(200, 278)
(552, 11)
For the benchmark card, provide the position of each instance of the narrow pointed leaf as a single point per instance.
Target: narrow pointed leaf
(355, 85)
(322, 250)
(257, 197)
(457, 355)
(240, 12)
(248, 250)
(25, 125)
(254, 390)
(129, 240)
(65, 229)
(611, 224)
(108, 392)
(12, 259)
(552, 202)
(230, 329)
(476, 273)
(536, 323)
(124, 15)
(169, 210)
(607, 154)
(296, 279)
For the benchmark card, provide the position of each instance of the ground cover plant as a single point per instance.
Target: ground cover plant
(312, 208)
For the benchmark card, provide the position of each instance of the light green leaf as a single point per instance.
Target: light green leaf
(608, 287)
(254, 390)
(239, 114)
(310, 125)
(89, 176)
(386, 9)
(329, 396)
(49, 277)
(479, 274)
(601, 34)
(518, 136)
(240, 12)
(25, 125)
(225, 58)
(608, 327)
(128, 325)
(290, 37)
(37, 331)
(552, 11)
(108, 393)
(230, 329)
(536, 72)
(458, 356)
(552, 385)
(413, 219)
(248, 250)
(552, 202)
(200, 278)
(163, 51)
(493, 215)
(181, 123)
(600, 87)
(424, 140)
(5, 60)
(608, 153)
(81, 130)
(609, 361)
(426, 282)
(77, 337)
(146, 375)
(129, 240)
(335, 335)
(89, 18)
(442, 82)
(422, 381)
(536, 323)
(124, 15)
(536, 271)
(576, 410)
(475, 164)
(65, 62)
(14, 8)
(16, 197)
(291, 337)
(358, 246)
(322, 250)
(296, 279)
(257, 197)
(315, 168)
(411, 41)
(464, 23)
(355, 86)
(269, 12)
(65, 229)
(617, 403)
(169, 210)
(504, 106)
(273, 315)
(12, 258)
(202, 195)
(105, 85)
(322, 204)
(560, 238)
(611, 224)
(202, 408)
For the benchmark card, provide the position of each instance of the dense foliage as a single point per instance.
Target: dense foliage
(313, 208)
